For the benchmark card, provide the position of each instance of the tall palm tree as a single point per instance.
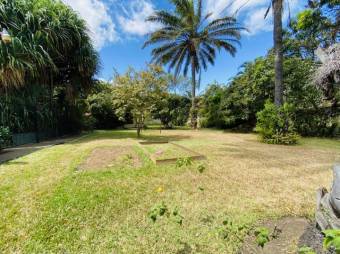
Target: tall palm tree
(189, 39)
(277, 8)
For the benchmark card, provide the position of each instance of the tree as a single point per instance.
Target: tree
(139, 93)
(172, 110)
(189, 39)
(316, 26)
(277, 8)
(101, 108)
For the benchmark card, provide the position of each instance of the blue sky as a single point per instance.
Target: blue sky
(118, 29)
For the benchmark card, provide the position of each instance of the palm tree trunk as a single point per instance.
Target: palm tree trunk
(277, 13)
(193, 96)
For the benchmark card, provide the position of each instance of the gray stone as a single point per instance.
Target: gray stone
(328, 204)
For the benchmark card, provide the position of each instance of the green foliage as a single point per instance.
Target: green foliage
(162, 209)
(184, 162)
(5, 136)
(229, 229)
(158, 210)
(262, 236)
(275, 124)
(235, 106)
(47, 67)
(178, 218)
(306, 250)
(212, 108)
(139, 93)
(189, 40)
(172, 110)
(101, 108)
(316, 26)
(332, 240)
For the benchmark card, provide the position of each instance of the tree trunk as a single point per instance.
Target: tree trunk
(193, 96)
(277, 14)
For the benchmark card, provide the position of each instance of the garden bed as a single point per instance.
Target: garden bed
(165, 152)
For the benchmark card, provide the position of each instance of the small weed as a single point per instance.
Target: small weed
(262, 236)
(158, 210)
(229, 228)
(201, 168)
(332, 240)
(177, 216)
(306, 250)
(201, 188)
(161, 209)
(183, 162)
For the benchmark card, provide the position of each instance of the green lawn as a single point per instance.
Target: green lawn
(48, 205)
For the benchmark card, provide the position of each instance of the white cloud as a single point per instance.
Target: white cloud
(230, 7)
(256, 23)
(132, 21)
(95, 13)
(251, 12)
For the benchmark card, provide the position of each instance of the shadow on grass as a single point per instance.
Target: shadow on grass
(127, 134)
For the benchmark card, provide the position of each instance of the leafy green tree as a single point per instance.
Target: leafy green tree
(172, 110)
(212, 110)
(101, 108)
(139, 93)
(189, 39)
(317, 26)
(236, 105)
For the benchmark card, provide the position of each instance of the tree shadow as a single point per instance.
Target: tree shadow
(128, 134)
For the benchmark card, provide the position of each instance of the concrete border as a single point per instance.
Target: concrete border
(195, 155)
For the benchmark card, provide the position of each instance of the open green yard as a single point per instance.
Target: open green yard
(49, 202)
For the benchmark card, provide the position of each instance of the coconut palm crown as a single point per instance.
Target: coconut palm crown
(189, 39)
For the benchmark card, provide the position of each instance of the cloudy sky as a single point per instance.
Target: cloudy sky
(118, 30)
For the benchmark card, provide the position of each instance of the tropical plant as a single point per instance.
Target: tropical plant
(50, 59)
(189, 39)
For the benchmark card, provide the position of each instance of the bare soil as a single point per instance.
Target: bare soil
(105, 157)
(286, 239)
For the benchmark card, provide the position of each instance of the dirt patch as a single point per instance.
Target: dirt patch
(313, 238)
(286, 239)
(106, 157)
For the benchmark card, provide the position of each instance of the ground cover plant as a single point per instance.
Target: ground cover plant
(48, 205)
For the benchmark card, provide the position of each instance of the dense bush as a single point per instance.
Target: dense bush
(100, 106)
(275, 124)
(5, 137)
(172, 110)
(212, 110)
(236, 105)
